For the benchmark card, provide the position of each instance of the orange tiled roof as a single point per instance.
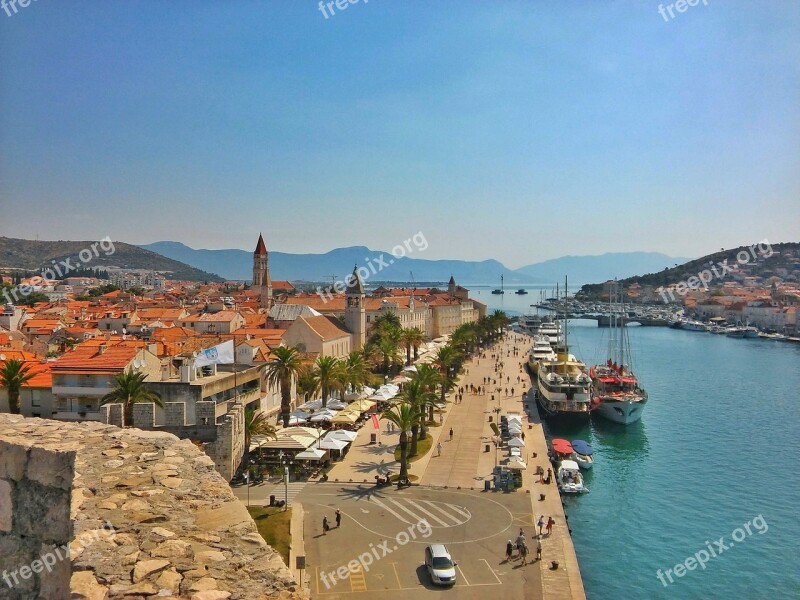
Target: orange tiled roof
(324, 327)
(87, 357)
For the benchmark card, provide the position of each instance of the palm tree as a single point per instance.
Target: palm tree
(284, 367)
(13, 375)
(412, 338)
(419, 397)
(129, 390)
(387, 346)
(429, 377)
(331, 375)
(403, 416)
(446, 358)
(255, 423)
(356, 370)
(307, 383)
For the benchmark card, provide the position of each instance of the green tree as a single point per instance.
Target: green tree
(280, 371)
(430, 377)
(417, 396)
(13, 375)
(307, 383)
(390, 351)
(411, 339)
(356, 370)
(331, 375)
(255, 423)
(402, 415)
(128, 390)
(447, 360)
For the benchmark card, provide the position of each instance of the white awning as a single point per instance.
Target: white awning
(311, 454)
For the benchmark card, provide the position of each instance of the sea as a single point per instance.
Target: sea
(707, 476)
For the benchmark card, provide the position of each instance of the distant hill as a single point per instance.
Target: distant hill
(238, 265)
(32, 255)
(591, 269)
(784, 256)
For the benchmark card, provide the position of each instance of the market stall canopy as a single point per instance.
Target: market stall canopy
(333, 444)
(295, 420)
(311, 454)
(516, 465)
(341, 434)
(283, 442)
(323, 415)
(345, 417)
(516, 443)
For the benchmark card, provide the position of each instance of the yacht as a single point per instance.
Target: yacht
(529, 324)
(690, 325)
(501, 290)
(541, 350)
(616, 393)
(564, 388)
(551, 329)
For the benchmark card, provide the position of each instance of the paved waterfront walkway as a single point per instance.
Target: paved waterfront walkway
(465, 463)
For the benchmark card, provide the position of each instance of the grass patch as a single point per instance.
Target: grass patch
(273, 524)
(423, 447)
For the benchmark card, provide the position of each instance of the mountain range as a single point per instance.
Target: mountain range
(237, 264)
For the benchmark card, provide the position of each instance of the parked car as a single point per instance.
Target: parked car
(440, 565)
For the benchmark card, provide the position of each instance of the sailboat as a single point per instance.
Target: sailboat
(616, 393)
(500, 291)
(563, 385)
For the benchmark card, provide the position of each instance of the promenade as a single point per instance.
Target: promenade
(465, 463)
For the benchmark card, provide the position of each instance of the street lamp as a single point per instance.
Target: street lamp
(285, 462)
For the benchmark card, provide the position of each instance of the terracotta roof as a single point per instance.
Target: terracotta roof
(324, 327)
(89, 358)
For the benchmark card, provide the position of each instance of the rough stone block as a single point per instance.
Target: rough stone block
(13, 460)
(51, 468)
(6, 506)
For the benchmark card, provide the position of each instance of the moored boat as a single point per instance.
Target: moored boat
(569, 478)
(582, 454)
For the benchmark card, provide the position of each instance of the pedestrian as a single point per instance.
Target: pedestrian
(509, 550)
(325, 526)
(538, 549)
(520, 541)
(441, 418)
(550, 522)
(451, 434)
(549, 475)
(338, 518)
(524, 554)
(439, 448)
(540, 523)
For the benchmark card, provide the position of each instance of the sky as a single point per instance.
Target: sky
(515, 130)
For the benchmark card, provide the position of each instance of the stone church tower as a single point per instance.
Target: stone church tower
(355, 313)
(261, 280)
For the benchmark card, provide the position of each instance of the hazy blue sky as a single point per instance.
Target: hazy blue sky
(513, 130)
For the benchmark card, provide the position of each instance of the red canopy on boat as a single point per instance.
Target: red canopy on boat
(562, 446)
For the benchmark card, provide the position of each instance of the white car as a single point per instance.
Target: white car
(440, 565)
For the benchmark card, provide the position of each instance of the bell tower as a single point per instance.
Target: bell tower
(355, 313)
(261, 280)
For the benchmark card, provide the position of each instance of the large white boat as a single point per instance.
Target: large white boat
(616, 393)
(541, 350)
(690, 325)
(564, 388)
(529, 324)
(551, 329)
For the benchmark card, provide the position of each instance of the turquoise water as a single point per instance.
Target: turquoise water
(716, 448)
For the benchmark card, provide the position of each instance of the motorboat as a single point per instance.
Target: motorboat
(569, 478)
(582, 454)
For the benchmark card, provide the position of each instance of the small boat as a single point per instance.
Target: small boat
(689, 325)
(582, 454)
(501, 290)
(562, 449)
(569, 478)
(521, 291)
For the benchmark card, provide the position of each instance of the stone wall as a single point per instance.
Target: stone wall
(35, 523)
(149, 515)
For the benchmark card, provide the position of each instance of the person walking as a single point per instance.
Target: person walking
(451, 434)
(509, 550)
(550, 522)
(524, 554)
(538, 548)
(439, 448)
(520, 541)
(338, 518)
(540, 523)
(325, 526)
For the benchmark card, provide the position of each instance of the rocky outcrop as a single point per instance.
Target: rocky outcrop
(148, 517)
